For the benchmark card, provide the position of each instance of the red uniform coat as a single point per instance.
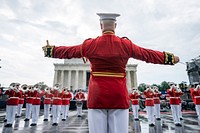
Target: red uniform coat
(157, 98)
(134, 98)
(36, 97)
(108, 55)
(47, 98)
(197, 97)
(149, 101)
(13, 98)
(21, 96)
(57, 95)
(174, 96)
(192, 94)
(29, 96)
(66, 98)
(80, 96)
(180, 94)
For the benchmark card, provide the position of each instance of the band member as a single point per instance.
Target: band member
(149, 103)
(71, 91)
(108, 54)
(21, 100)
(174, 103)
(12, 104)
(65, 103)
(80, 97)
(51, 106)
(196, 94)
(180, 103)
(192, 88)
(29, 101)
(56, 105)
(156, 98)
(135, 102)
(47, 102)
(37, 94)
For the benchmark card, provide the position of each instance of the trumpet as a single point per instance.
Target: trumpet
(197, 88)
(178, 89)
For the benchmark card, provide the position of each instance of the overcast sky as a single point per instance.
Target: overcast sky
(164, 25)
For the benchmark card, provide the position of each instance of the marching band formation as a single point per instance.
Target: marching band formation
(152, 102)
(56, 100)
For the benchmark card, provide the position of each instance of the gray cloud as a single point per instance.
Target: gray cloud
(161, 25)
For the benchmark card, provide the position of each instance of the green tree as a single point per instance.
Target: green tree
(159, 86)
(164, 86)
(43, 85)
(142, 87)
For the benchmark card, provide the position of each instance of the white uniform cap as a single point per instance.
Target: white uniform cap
(108, 16)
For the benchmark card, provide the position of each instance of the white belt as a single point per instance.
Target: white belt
(134, 99)
(156, 98)
(174, 97)
(149, 98)
(57, 98)
(47, 98)
(36, 98)
(14, 98)
(197, 97)
(21, 98)
(65, 99)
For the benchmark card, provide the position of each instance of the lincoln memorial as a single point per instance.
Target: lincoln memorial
(74, 74)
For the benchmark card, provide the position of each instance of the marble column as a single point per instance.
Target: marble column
(135, 79)
(84, 79)
(128, 80)
(55, 77)
(69, 78)
(76, 80)
(62, 78)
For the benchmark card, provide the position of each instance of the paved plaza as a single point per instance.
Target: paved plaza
(76, 124)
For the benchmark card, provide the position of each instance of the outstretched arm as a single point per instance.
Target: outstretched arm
(62, 52)
(153, 56)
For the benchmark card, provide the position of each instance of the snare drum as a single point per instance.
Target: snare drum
(79, 103)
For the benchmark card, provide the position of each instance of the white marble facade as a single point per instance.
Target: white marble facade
(74, 74)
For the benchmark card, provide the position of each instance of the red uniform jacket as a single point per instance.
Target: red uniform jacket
(134, 98)
(36, 97)
(80, 96)
(174, 96)
(57, 95)
(108, 55)
(197, 97)
(47, 98)
(21, 97)
(192, 94)
(13, 97)
(29, 96)
(66, 98)
(180, 94)
(149, 101)
(157, 98)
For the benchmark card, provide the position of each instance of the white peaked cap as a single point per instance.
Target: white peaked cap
(108, 16)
